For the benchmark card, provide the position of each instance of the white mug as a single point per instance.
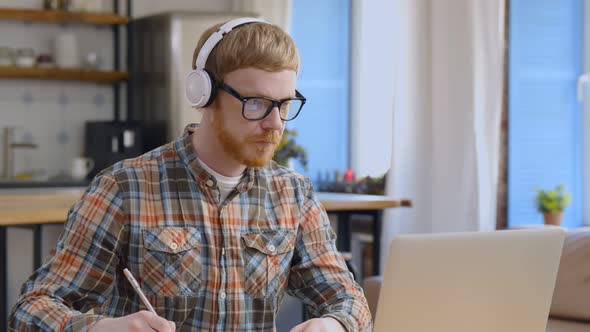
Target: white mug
(81, 167)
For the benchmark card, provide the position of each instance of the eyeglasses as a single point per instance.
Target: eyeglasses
(257, 108)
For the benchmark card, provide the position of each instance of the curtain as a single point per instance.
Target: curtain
(446, 115)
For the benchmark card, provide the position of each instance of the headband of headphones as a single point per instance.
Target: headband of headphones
(200, 88)
(217, 36)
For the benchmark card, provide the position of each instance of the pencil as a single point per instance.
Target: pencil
(135, 285)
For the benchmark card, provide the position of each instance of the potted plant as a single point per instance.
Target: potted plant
(288, 149)
(552, 203)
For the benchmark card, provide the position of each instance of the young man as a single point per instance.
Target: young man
(213, 230)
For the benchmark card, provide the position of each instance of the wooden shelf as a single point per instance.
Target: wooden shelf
(63, 74)
(62, 16)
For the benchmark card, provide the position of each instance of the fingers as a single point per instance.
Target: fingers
(138, 322)
(157, 323)
(298, 328)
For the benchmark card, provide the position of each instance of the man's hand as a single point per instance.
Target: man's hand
(139, 321)
(327, 324)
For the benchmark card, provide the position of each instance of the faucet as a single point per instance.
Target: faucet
(8, 151)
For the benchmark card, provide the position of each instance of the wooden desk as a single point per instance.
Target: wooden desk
(52, 208)
(354, 202)
(345, 205)
(34, 210)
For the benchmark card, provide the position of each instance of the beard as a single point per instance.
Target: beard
(240, 150)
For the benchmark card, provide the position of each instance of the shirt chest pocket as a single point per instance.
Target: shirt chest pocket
(267, 260)
(172, 261)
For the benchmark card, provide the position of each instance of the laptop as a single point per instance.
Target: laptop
(470, 282)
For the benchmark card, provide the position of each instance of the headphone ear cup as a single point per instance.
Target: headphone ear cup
(213, 88)
(198, 88)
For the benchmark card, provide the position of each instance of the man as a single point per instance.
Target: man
(214, 231)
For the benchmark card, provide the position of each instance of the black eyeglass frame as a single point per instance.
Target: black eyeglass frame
(275, 103)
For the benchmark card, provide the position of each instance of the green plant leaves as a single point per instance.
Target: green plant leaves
(552, 200)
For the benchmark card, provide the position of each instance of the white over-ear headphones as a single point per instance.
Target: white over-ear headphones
(200, 87)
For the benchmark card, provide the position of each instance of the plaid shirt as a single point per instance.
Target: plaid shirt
(204, 264)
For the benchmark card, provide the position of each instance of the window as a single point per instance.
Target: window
(545, 118)
(321, 30)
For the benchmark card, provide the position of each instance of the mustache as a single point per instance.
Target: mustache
(270, 136)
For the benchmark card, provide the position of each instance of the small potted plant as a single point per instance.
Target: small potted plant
(552, 203)
(289, 150)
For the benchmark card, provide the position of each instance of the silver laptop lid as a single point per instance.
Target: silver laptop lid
(466, 282)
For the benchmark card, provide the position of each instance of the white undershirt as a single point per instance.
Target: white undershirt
(225, 184)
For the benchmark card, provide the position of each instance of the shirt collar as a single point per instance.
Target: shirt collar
(186, 152)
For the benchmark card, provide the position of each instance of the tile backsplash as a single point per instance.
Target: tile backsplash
(51, 114)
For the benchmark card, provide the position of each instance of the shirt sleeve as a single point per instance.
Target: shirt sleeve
(319, 276)
(80, 275)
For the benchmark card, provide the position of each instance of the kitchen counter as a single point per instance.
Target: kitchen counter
(42, 184)
(34, 206)
(21, 206)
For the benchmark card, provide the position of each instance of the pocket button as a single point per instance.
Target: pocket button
(173, 246)
(271, 248)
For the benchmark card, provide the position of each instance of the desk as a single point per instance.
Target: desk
(345, 205)
(27, 209)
